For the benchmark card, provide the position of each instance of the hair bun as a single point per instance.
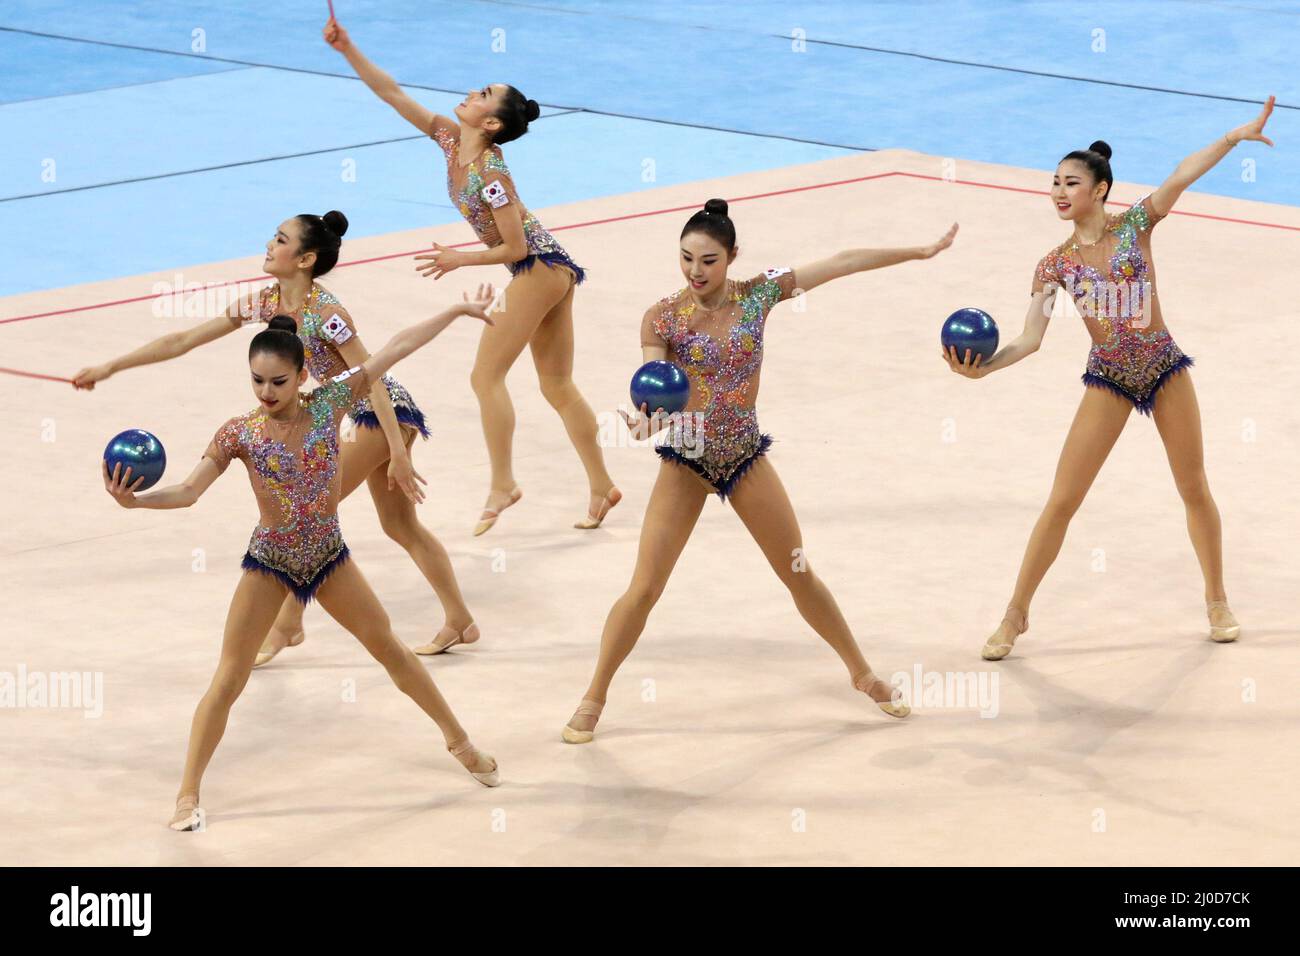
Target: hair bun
(1102, 147)
(283, 323)
(336, 222)
(716, 206)
(532, 110)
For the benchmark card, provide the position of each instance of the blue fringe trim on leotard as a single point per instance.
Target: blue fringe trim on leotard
(303, 592)
(725, 487)
(405, 416)
(1143, 405)
(555, 258)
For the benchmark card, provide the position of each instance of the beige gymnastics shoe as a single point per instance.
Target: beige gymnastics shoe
(997, 646)
(588, 708)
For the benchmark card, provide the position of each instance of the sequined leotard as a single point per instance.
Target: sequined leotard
(721, 352)
(293, 467)
(324, 325)
(486, 185)
(1113, 286)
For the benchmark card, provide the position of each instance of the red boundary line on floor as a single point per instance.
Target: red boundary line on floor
(612, 219)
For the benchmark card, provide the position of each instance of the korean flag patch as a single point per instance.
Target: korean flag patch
(344, 375)
(336, 330)
(774, 273)
(495, 194)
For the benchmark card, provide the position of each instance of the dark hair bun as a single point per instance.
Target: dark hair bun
(532, 110)
(714, 222)
(286, 346)
(1102, 147)
(336, 222)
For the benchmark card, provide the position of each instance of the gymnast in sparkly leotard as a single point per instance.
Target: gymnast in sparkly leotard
(290, 447)
(293, 467)
(713, 329)
(1106, 268)
(537, 307)
(482, 187)
(304, 249)
(721, 351)
(1113, 286)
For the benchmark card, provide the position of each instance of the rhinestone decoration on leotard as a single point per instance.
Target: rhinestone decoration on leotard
(1130, 360)
(723, 374)
(469, 201)
(1135, 365)
(324, 360)
(296, 483)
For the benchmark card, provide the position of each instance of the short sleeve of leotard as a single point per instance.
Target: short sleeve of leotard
(1047, 274)
(342, 391)
(444, 132)
(498, 189)
(772, 286)
(245, 310)
(651, 333)
(265, 305)
(336, 326)
(226, 445)
(1142, 215)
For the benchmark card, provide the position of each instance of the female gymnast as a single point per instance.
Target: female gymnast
(290, 446)
(537, 307)
(713, 329)
(302, 250)
(1106, 267)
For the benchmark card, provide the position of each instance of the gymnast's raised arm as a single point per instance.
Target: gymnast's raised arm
(1199, 163)
(862, 260)
(422, 333)
(380, 83)
(169, 346)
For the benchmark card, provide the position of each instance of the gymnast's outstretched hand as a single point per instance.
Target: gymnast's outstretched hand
(336, 36)
(967, 367)
(944, 241)
(1254, 130)
(87, 377)
(441, 261)
(642, 425)
(117, 484)
(478, 305)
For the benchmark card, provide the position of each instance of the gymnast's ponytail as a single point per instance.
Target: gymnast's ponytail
(714, 222)
(279, 338)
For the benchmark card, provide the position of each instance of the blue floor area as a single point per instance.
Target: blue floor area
(41, 67)
(232, 212)
(265, 89)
